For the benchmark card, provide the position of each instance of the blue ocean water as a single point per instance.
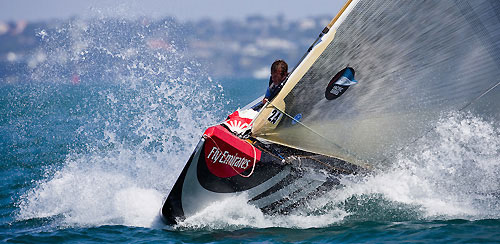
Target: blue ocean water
(93, 136)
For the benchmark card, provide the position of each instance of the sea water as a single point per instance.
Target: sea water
(94, 135)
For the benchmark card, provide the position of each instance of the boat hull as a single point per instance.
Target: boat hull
(275, 179)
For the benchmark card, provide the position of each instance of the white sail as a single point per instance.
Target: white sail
(413, 60)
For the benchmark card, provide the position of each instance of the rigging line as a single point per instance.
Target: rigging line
(490, 45)
(433, 127)
(338, 169)
(323, 32)
(318, 134)
(307, 127)
(476, 23)
(479, 97)
(270, 153)
(459, 110)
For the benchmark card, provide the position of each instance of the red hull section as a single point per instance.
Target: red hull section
(227, 155)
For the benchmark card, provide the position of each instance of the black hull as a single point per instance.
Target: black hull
(280, 181)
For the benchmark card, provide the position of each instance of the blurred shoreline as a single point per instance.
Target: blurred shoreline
(230, 48)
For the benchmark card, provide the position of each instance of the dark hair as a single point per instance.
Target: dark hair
(279, 63)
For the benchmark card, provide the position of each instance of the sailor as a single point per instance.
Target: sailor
(279, 72)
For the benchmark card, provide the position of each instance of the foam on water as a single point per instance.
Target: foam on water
(454, 172)
(93, 190)
(236, 213)
(145, 110)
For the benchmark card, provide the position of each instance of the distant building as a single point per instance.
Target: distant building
(4, 28)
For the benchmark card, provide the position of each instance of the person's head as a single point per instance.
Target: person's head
(279, 71)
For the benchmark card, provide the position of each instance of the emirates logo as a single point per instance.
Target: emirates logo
(240, 121)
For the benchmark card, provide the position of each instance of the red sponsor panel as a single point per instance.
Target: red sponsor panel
(227, 155)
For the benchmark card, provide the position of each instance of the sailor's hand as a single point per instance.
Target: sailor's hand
(264, 101)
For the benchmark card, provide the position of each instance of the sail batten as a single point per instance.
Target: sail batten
(414, 61)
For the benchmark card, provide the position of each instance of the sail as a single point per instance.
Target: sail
(413, 62)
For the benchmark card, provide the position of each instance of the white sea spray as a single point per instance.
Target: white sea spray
(146, 107)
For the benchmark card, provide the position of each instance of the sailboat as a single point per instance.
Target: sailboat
(375, 81)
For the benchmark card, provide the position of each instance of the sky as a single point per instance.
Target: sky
(35, 10)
